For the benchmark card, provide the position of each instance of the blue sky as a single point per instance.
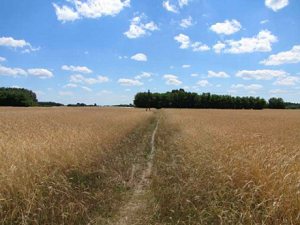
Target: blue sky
(105, 51)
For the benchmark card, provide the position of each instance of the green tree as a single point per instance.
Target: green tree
(17, 97)
(276, 103)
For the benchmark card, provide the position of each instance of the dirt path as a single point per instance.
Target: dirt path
(130, 212)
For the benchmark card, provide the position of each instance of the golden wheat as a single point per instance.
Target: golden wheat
(228, 167)
(61, 165)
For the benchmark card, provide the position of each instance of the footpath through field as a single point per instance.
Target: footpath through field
(130, 212)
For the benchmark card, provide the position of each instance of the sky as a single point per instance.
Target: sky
(105, 51)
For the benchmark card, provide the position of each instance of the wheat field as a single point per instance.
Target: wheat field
(228, 167)
(61, 165)
(81, 166)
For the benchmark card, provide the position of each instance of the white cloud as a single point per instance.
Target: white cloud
(138, 29)
(288, 57)
(185, 43)
(70, 85)
(13, 43)
(143, 75)
(219, 47)
(287, 81)
(199, 47)
(262, 42)
(129, 82)
(169, 7)
(217, 74)
(186, 66)
(40, 72)
(227, 27)
(187, 22)
(89, 9)
(2, 59)
(77, 78)
(260, 74)
(172, 79)
(86, 89)
(79, 69)
(65, 13)
(203, 83)
(183, 3)
(14, 72)
(264, 21)
(276, 5)
(140, 57)
(250, 87)
(194, 75)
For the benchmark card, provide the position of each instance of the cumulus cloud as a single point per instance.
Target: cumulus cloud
(175, 7)
(187, 22)
(287, 81)
(139, 57)
(183, 3)
(217, 74)
(77, 78)
(227, 27)
(287, 57)
(282, 77)
(2, 59)
(170, 7)
(78, 9)
(261, 74)
(262, 42)
(139, 29)
(78, 69)
(14, 72)
(143, 75)
(65, 13)
(129, 82)
(185, 43)
(276, 5)
(172, 79)
(40, 72)
(186, 66)
(203, 83)
(14, 43)
(219, 47)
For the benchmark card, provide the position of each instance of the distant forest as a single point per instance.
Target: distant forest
(174, 99)
(182, 99)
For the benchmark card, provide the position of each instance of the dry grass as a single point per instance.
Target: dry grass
(66, 165)
(228, 167)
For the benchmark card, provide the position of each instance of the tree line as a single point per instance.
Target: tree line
(174, 99)
(17, 97)
(182, 99)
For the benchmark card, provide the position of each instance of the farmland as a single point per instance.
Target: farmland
(60, 166)
(85, 165)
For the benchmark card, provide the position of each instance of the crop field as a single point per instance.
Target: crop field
(61, 165)
(128, 166)
(228, 167)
